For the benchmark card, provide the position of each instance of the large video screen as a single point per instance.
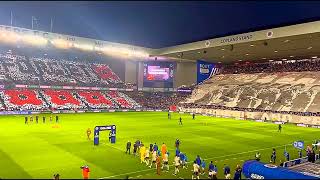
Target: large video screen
(158, 74)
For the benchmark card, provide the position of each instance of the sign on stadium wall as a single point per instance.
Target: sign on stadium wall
(238, 38)
(204, 70)
(14, 112)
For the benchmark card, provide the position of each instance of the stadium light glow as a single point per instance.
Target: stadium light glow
(85, 47)
(60, 43)
(30, 39)
(122, 52)
(9, 37)
(34, 40)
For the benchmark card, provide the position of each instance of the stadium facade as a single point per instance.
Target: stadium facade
(282, 43)
(34, 82)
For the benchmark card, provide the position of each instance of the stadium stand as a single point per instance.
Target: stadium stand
(273, 90)
(48, 99)
(157, 100)
(62, 100)
(23, 68)
(96, 100)
(271, 67)
(20, 69)
(22, 100)
(123, 100)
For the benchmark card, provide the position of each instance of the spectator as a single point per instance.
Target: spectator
(237, 173)
(56, 177)
(227, 171)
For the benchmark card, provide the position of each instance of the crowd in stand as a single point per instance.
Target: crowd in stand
(193, 105)
(17, 69)
(157, 100)
(19, 100)
(270, 67)
(48, 99)
(62, 100)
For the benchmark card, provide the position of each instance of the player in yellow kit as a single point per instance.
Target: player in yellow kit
(142, 153)
(147, 155)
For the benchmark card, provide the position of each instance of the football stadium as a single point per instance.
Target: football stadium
(241, 106)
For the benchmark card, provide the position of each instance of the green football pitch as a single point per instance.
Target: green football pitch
(41, 150)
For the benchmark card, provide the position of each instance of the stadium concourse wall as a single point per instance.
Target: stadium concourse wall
(277, 118)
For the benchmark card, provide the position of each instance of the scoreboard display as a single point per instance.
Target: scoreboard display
(158, 74)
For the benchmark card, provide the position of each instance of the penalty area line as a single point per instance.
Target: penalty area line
(218, 157)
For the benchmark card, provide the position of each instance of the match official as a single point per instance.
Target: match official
(128, 147)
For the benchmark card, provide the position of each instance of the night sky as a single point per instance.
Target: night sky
(157, 24)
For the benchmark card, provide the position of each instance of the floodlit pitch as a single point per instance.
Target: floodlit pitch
(44, 149)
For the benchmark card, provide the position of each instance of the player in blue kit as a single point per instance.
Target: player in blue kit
(182, 160)
(226, 172)
(155, 147)
(186, 160)
(177, 151)
(198, 160)
(203, 166)
(212, 171)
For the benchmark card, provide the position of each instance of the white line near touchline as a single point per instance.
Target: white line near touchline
(107, 177)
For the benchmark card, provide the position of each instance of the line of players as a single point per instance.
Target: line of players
(180, 160)
(30, 120)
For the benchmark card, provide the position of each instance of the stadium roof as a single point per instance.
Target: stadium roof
(283, 43)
